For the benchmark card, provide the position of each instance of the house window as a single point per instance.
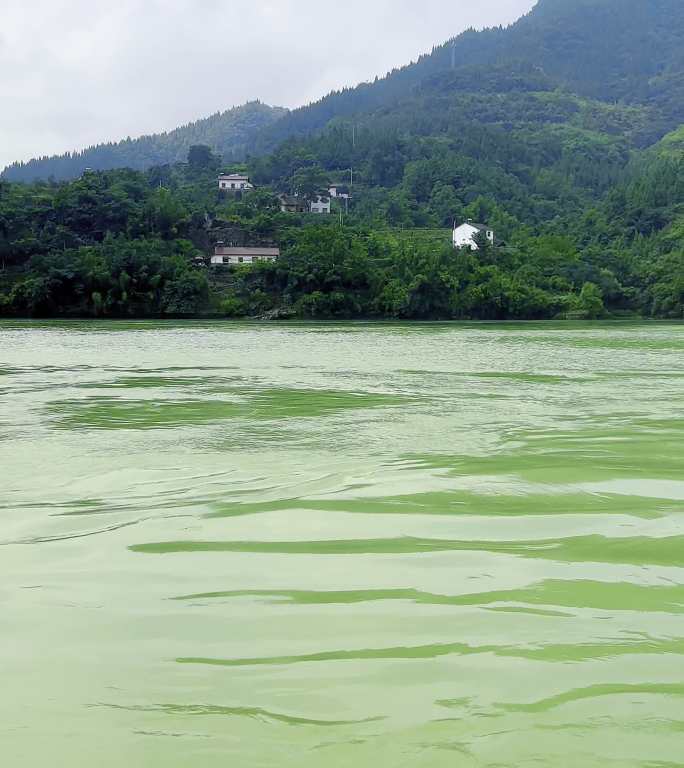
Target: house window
(240, 259)
(232, 186)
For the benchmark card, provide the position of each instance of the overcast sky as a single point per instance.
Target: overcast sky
(78, 72)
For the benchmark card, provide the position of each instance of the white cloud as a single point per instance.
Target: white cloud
(78, 72)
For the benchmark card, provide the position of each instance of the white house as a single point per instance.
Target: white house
(339, 192)
(320, 204)
(227, 255)
(235, 182)
(465, 235)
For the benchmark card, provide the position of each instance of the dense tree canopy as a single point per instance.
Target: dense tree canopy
(119, 244)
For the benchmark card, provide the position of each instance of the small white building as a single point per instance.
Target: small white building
(465, 235)
(235, 182)
(320, 204)
(228, 255)
(339, 192)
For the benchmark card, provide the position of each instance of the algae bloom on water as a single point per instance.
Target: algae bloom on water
(306, 545)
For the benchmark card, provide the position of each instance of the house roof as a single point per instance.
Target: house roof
(478, 227)
(234, 176)
(222, 250)
(292, 200)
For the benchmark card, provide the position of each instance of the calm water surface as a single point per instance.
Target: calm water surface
(424, 546)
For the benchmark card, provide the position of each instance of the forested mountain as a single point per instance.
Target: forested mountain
(617, 51)
(227, 133)
(562, 132)
(626, 52)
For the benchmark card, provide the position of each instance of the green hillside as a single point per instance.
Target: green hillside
(672, 144)
(563, 133)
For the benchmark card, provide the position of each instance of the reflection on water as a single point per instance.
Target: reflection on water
(293, 545)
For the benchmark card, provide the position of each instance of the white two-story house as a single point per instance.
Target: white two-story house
(320, 204)
(235, 182)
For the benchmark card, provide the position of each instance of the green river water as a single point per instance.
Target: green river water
(341, 545)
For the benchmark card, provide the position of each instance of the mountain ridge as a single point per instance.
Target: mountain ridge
(227, 133)
(566, 40)
(624, 52)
